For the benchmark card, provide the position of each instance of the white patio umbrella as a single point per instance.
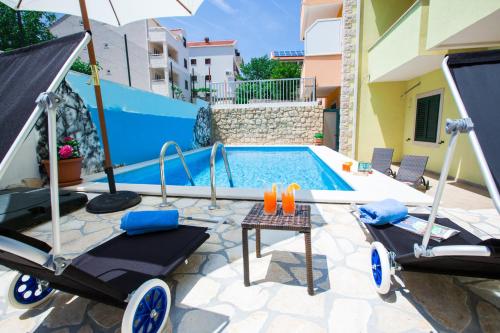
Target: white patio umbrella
(117, 13)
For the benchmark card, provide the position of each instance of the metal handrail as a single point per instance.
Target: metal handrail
(213, 204)
(162, 171)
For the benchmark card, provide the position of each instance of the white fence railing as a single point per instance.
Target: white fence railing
(263, 91)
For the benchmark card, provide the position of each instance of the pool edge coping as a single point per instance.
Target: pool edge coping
(365, 188)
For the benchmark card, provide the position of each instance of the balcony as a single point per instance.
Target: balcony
(313, 10)
(400, 53)
(324, 37)
(157, 61)
(157, 34)
(464, 24)
(159, 86)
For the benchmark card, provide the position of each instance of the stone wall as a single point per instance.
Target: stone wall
(280, 124)
(349, 74)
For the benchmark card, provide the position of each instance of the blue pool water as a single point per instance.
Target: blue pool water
(251, 167)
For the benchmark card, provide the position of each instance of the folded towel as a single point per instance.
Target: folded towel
(383, 212)
(136, 223)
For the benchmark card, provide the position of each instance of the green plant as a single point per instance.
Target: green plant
(83, 67)
(177, 92)
(318, 136)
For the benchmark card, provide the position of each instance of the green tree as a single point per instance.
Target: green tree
(18, 29)
(285, 70)
(257, 69)
(263, 68)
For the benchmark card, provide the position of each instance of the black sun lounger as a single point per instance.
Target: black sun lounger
(474, 81)
(112, 271)
(22, 208)
(126, 271)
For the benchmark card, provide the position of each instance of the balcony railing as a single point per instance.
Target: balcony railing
(263, 91)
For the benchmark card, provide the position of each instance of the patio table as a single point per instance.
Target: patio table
(256, 219)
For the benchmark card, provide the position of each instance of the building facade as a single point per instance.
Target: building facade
(321, 31)
(213, 61)
(142, 54)
(403, 99)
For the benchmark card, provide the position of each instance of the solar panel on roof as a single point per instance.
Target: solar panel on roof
(288, 53)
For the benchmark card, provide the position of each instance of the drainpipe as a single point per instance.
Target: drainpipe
(356, 76)
(128, 62)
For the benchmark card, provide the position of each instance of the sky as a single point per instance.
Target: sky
(259, 26)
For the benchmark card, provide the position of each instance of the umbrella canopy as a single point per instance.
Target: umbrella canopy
(114, 12)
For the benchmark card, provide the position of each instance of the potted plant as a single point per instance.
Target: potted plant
(69, 162)
(318, 139)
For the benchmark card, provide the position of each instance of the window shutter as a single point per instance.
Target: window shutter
(427, 119)
(432, 118)
(421, 120)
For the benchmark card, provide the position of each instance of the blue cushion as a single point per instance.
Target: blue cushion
(136, 223)
(383, 212)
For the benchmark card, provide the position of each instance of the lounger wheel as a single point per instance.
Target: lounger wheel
(380, 268)
(148, 308)
(27, 292)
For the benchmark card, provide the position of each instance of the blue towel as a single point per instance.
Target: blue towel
(383, 212)
(136, 223)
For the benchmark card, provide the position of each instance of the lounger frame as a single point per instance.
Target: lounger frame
(456, 127)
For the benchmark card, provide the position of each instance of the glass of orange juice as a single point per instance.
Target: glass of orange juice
(288, 199)
(270, 200)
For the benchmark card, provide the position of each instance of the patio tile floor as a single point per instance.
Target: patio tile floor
(209, 295)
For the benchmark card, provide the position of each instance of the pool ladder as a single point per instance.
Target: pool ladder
(163, 151)
(213, 195)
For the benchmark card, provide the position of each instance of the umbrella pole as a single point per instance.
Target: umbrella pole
(108, 167)
(114, 200)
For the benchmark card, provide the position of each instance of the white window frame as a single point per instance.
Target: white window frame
(436, 144)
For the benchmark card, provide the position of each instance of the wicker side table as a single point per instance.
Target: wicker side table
(256, 219)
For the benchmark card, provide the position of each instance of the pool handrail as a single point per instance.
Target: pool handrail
(163, 151)
(213, 199)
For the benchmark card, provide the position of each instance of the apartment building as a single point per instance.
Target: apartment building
(143, 54)
(213, 61)
(403, 96)
(321, 31)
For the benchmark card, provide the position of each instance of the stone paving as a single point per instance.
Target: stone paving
(209, 295)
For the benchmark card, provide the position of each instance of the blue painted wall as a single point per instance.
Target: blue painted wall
(138, 122)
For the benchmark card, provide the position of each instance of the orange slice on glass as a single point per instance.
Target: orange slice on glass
(293, 186)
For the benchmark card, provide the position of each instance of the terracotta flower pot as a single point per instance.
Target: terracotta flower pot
(318, 141)
(68, 171)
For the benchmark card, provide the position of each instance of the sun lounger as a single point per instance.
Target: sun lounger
(412, 170)
(474, 79)
(126, 271)
(382, 160)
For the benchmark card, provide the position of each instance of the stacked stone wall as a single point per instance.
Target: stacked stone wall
(347, 98)
(279, 124)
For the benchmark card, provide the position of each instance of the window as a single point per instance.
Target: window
(207, 61)
(186, 85)
(185, 63)
(193, 61)
(184, 42)
(194, 78)
(208, 77)
(427, 118)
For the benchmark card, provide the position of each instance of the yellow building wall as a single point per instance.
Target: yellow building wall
(380, 114)
(464, 165)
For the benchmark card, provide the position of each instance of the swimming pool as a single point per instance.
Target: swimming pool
(251, 167)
